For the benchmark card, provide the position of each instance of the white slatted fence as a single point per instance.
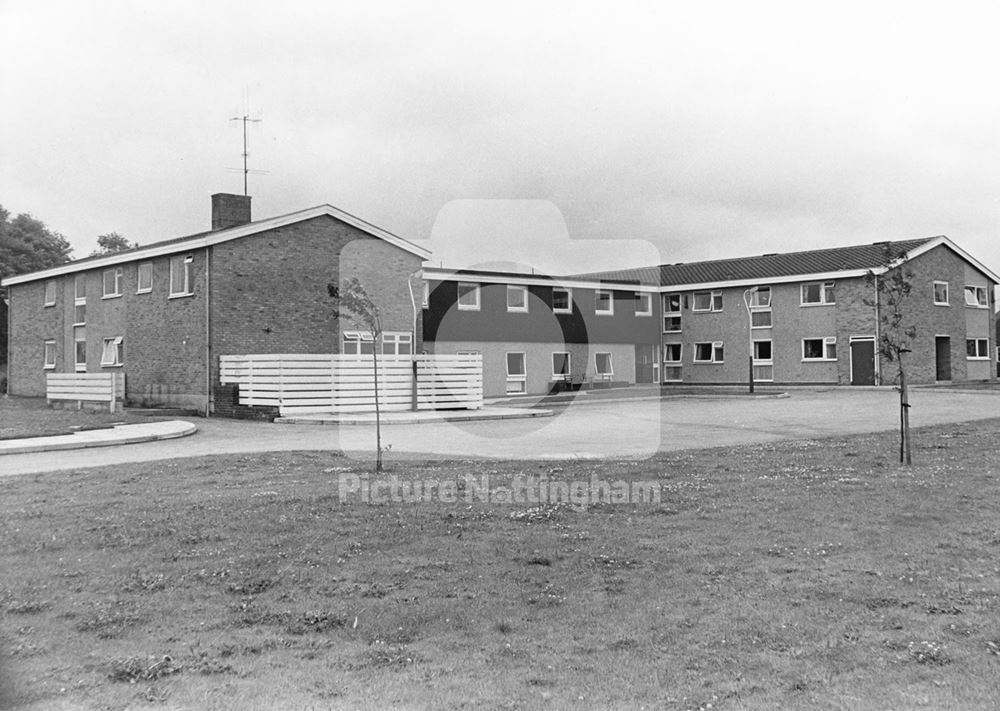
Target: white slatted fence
(321, 383)
(86, 387)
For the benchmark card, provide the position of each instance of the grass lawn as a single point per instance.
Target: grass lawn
(814, 574)
(32, 417)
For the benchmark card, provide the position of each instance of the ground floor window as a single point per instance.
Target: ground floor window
(819, 348)
(709, 352)
(113, 351)
(357, 343)
(516, 373)
(81, 355)
(763, 363)
(397, 343)
(672, 362)
(603, 364)
(49, 358)
(977, 348)
(560, 366)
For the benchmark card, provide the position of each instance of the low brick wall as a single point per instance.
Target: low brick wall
(227, 404)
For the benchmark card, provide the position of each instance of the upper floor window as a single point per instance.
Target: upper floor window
(941, 293)
(760, 298)
(112, 279)
(643, 303)
(180, 275)
(562, 300)
(80, 288)
(517, 299)
(50, 292)
(671, 313)
(977, 296)
(604, 302)
(144, 277)
(818, 293)
(707, 301)
(468, 296)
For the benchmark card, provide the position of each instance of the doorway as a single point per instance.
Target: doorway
(863, 361)
(942, 352)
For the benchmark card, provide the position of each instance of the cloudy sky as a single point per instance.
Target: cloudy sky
(675, 131)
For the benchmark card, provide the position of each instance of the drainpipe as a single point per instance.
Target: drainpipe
(878, 335)
(208, 335)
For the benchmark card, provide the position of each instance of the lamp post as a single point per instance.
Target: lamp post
(748, 296)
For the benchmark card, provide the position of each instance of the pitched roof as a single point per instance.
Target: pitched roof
(205, 239)
(767, 266)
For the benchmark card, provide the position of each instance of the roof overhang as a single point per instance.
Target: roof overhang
(210, 238)
(515, 279)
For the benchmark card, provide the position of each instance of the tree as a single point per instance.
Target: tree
(112, 243)
(26, 245)
(354, 303)
(893, 283)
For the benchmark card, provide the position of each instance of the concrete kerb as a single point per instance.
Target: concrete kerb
(414, 418)
(109, 437)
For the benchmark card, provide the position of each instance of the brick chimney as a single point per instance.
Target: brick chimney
(230, 210)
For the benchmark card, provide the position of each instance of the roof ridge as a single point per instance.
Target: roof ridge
(915, 241)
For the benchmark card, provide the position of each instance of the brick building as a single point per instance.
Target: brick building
(164, 313)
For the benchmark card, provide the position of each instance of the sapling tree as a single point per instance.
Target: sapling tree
(353, 303)
(892, 283)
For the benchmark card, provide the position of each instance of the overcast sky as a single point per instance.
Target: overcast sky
(699, 129)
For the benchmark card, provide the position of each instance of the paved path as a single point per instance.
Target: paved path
(100, 437)
(631, 428)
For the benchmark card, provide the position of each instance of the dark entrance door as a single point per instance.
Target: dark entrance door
(645, 358)
(942, 348)
(863, 362)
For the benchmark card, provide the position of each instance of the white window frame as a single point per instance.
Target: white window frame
(605, 374)
(715, 303)
(569, 365)
(568, 309)
(185, 262)
(116, 275)
(826, 342)
(947, 294)
(49, 349)
(81, 279)
(680, 353)
(78, 365)
(672, 314)
(756, 302)
(763, 361)
(425, 296)
(770, 318)
(356, 339)
(397, 339)
(47, 298)
(474, 289)
(824, 287)
(516, 382)
(982, 348)
(975, 292)
(610, 311)
(140, 289)
(112, 346)
(643, 297)
(714, 348)
(513, 289)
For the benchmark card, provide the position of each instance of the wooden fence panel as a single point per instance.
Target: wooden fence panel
(86, 387)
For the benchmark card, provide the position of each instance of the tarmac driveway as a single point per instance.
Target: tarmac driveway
(623, 428)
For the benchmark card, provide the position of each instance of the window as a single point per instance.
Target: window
(560, 366)
(818, 293)
(357, 343)
(80, 348)
(819, 348)
(602, 363)
(562, 301)
(707, 301)
(50, 292)
(672, 370)
(515, 373)
(977, 348)
(112, 282)
(112, 353)
(517, 299)
(180, 275)
(709, 352)
(763, 363)
(941, 293)
(760, 298)
(49, 358)
(80, 288)
(79, 314)
(762, 350)
(976, 296)
(79, 300)
(468, 296)
(672, 352)
(671, 313)
(397, 343)
(425, 298)
(144, 278)
(604, 302)
(643, 304)
(760, 319)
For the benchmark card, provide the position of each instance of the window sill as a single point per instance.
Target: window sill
(824, 303)
(112, 365)
(144, 291)
(941, 303)
(49, 306)
(604, 313)
(516, 311)
(979, 358)
(819, 360)
(181, 296)
(80, 369)
(708, 362)
(976, 306)
(111, 296)
(468, 308)
(80, 323)
(48, 367)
